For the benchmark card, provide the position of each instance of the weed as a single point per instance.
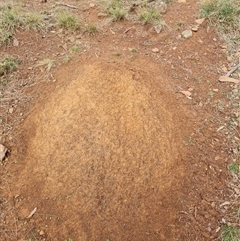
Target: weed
(220, 106)
(75, 49)
(151, 15)
(115, 9)
(9, 21)
(13, 17)
(33, 21)
(8, 64)
(67, 58)
(230, 233)
(225, 15)
(211, 94)
(68, 21)
(3, 82)
(48, 63)
(91, 28)
(233, 168)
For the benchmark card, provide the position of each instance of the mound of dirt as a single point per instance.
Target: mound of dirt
(104, 156)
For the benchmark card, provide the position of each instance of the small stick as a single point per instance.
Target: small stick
(127, 30)
(67, 5)
(233, 70)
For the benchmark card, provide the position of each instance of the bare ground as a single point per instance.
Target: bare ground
(105, 146)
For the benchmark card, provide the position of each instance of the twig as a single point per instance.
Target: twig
(233, 70)
(67, 5)
(127, 30)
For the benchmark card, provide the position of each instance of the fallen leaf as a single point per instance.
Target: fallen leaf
(32, 213)
(229, 79)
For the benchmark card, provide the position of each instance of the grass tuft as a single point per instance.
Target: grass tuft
(225, 15)
(233, 168)
(91, 28)
(115, 9)
(33, 21)
(8, 64)
(13, 17)
(68, 20)
(230, 233)
(150, 15)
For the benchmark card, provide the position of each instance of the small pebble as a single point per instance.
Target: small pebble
(155, 50)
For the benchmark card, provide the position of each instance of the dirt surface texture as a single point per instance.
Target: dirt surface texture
(122, 142)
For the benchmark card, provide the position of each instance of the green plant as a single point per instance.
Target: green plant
(75, 49)
(33, 21)
(8, 64)
(115, 9)
(68, 21)
(233, 167)
(14, 16)
(225, 16)
(223, 13)
(9, 21)
(150, 15)
(91, 28)
(230, 233)
(67, 58)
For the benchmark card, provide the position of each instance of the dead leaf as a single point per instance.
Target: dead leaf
(32, 213)
(229, 79)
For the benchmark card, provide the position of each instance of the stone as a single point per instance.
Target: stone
(179, 37)
(199, 21)
(15, 42)
(41, 232)
(229, 59)
(11, 110)
(3, 152)
(91, 5)
(155, 50)
(186, 93)
(195, 28)
(158, 28)
(187, 33)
